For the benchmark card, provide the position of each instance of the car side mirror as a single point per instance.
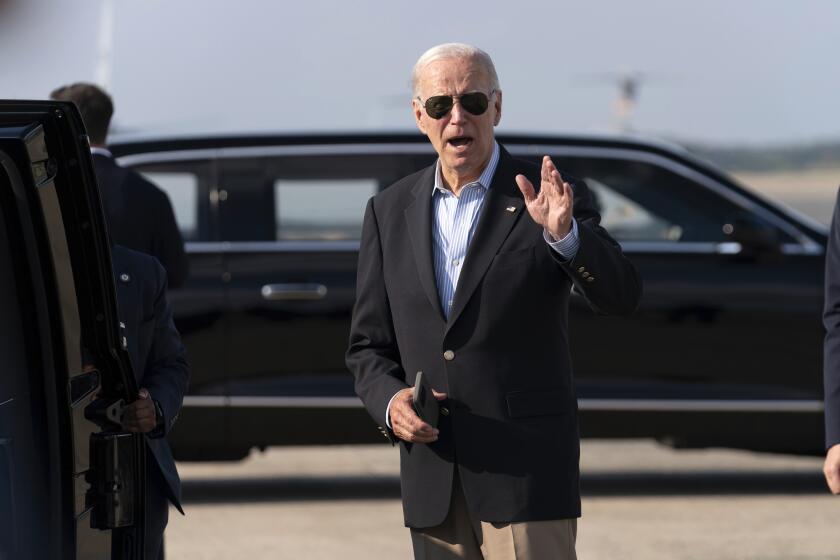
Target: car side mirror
(756, 237)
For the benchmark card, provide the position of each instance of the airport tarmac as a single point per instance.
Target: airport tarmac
(809, 191)
(640, 501)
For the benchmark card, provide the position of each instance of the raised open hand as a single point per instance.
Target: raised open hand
(552, 207)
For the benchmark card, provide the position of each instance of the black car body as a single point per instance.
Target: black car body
(71, 481)
(724, 349)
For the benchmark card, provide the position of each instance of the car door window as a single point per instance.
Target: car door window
(629, 221)
(325, 209)
(187, 184)
(182, 188)
(302, 197)
(641, 201)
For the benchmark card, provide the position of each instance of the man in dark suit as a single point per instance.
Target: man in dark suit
(464, 273)
(831, 359)
(162, 373)
(138, 213)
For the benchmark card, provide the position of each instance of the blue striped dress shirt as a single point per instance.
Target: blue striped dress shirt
(455, 218)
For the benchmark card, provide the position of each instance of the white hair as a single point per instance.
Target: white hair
(453, 50)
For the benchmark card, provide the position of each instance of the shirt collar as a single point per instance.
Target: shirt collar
(484, 180)
(97, 151)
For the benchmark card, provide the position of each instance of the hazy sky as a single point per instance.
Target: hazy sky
(721, 70)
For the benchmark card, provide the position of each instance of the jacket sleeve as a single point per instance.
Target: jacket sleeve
(167, 373)
(373, 356)
(599, 270)
(831, 321)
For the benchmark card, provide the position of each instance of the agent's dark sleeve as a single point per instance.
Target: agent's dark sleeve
(168, 244)
(831, 321)
(600, 271)
(373, 356)
(167, 372)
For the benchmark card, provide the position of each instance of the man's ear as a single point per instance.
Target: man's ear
(418, 115)
(498, 104)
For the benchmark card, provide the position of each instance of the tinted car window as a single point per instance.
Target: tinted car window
(302, 197)
(188, 185)
(629, 221)
(182, 188)
(327, 209)
(640, 201)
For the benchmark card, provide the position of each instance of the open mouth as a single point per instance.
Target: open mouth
(459, 141)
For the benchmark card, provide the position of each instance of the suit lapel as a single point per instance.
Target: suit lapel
(419, 218)
(502, 208)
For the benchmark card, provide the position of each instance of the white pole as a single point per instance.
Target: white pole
(106, 45)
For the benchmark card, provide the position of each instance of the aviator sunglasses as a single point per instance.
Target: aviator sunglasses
(474, 103)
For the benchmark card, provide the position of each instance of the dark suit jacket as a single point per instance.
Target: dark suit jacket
(512, 430)
(140, 217)
(831, 320)
(157, 355)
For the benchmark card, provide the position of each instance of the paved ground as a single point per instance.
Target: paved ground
(641, 501)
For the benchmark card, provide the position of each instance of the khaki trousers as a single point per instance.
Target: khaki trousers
(462, 537)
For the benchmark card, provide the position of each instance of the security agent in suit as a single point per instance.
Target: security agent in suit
(464, 273)
(139, 214)
(831, 361)
(160, 366)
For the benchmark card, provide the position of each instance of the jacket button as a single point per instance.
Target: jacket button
(581, 269)
(585, 275)
(590, 279)
(444, 411)
(449, 355)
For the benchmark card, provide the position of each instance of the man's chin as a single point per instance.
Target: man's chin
(461, 164)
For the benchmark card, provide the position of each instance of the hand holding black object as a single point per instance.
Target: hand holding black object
(405, 423)
(140, 415)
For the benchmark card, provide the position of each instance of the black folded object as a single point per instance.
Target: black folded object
(425, 404)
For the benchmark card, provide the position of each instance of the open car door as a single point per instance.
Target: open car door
(71, 480)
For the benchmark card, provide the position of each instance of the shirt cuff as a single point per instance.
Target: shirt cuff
(566, 247)
(388, 411)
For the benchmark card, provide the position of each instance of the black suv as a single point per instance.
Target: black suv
(725, 349)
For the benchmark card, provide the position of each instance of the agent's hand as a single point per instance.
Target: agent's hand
(405, 423)
(831, 468)
(552, 207)
(140, 416)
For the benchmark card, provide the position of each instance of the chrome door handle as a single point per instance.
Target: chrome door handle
(729, 248)
(293, 292)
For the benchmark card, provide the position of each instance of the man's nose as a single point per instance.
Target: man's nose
(457, 112)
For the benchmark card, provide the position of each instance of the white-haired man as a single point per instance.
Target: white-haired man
(464, 274)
